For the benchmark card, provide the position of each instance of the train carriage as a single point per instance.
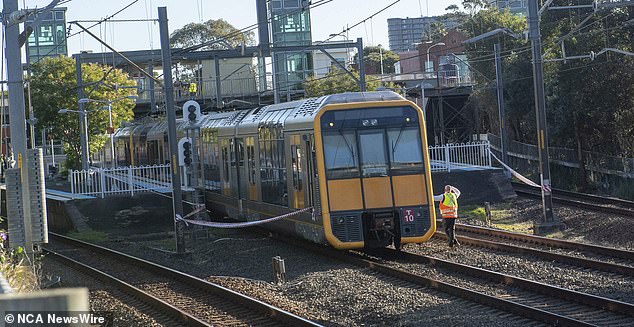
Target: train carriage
(358, 159)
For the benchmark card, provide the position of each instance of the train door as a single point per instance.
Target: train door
(310, 168)
(249, 172)
(225, 170)
(297, 167)
(238, 178)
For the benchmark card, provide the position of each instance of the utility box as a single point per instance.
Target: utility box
(38, 228)
(15, 209)
(37, 186)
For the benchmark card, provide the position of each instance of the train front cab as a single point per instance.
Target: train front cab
(374, 174)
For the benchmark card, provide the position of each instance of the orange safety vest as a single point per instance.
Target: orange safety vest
(449, 206)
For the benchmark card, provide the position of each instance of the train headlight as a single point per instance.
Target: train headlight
(369, 122)
(331, 124)
(407, 119)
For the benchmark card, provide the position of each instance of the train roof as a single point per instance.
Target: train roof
(295, 115)
(299, 115)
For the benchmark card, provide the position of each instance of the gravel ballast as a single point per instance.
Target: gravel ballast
(337, 294)
(126, 310)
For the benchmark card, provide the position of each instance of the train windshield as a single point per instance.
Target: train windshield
(341, 155)
(373, 154)
(405, 150)
(372, 142)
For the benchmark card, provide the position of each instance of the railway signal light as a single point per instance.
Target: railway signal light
(185, 150)
(191, 109)
(187, 153)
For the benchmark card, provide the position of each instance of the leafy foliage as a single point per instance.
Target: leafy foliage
(54, 86)
(16, 268)
(589, 102)
(337, 81)
(372, 56)
(520, 113)
(436, 31)
(199, 33)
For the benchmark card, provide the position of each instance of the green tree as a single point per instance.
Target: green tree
(211, 30)
(436, 32)
(473, 6)
(372, 60)
(520, 114)
(54, 86)
(337, 81)
(216, 34)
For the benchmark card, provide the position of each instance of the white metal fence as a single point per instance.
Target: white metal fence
(101, 182)
(448, 157)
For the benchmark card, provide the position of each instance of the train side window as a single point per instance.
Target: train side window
(225, 160)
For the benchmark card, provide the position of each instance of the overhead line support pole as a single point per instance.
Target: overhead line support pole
(83, 137)
(550, 220)
(499, 83)
(17, 118)
(362, 85)
(177, 195)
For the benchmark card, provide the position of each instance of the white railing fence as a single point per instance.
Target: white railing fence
(100, 182)
(459, 156)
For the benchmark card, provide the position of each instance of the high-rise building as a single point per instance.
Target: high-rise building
(49, 37)
(519, 7)
(290, 26)
(405, 33)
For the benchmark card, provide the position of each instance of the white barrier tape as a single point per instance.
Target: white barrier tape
(242, 224)
(200, 207)
(180, 218)
(516, 174)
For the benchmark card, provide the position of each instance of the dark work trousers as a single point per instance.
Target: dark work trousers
(450, 230)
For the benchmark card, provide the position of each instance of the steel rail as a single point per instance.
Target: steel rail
(448, 288)
(254, 304)
(129, 289)
(575, 200)
(553, 242)
(562, 258)
(545, 289)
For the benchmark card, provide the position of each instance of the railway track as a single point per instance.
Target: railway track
(582, 255)
(193, 301)
(522, 298)
(80, 278)
(581, 200)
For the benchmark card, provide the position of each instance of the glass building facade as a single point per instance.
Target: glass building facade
(405, 33)
(290, 26)
(49, 37)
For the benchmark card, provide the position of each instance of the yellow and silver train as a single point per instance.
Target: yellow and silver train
(359, 159)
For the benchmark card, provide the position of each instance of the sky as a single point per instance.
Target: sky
(329, 18)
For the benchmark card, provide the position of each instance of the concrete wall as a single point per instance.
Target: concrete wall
(477, 186)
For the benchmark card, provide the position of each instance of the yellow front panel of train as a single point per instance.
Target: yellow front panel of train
(345, 194)
(410, 190)
(377, 192)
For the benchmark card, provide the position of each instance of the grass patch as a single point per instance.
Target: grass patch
(472, 211)
(21, 274)
(524, 227)
(89, 236)
(502, 217)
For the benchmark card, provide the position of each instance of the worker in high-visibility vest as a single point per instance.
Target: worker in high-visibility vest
(193, 88)
(449, 212)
